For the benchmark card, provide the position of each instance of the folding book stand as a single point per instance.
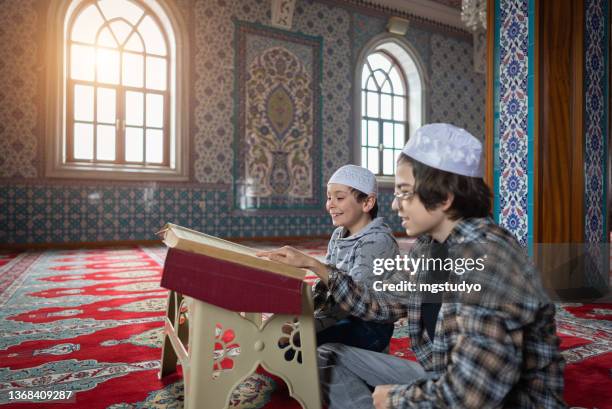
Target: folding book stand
(220, 337)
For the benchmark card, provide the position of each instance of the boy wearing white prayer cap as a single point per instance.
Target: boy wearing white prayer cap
(360, 237)
(494, 349)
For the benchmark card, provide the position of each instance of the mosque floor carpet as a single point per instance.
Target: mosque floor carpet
(89, 322)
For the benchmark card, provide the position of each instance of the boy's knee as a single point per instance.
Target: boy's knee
(328, 353)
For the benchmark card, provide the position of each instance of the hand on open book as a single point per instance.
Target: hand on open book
(294, 257)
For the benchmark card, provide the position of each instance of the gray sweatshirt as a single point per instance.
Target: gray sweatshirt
(355, 255)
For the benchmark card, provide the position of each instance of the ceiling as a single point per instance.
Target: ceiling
(447, 12)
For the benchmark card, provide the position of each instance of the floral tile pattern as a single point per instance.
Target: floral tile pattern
(596, 108)
(513, 173)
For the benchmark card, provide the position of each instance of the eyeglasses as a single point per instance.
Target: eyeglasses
(404, 195)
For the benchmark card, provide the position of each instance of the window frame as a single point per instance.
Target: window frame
(416, 82)
(380, 120)
(176, 168)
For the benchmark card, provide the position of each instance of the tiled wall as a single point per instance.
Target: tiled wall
(35, 209)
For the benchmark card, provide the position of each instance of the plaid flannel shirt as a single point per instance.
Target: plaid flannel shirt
(499, 352)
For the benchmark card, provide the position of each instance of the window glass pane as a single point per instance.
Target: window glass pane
(364, 157)
(155, 146)
(386, 111)
(365, 73)
(363, 104)
(134, 108)
(105, 140)
(133, 70)
(380, 78)
(399, 109)
(134, 144)
(121, 8)
(106, 39)
(386, 87)
(107, 102)
(155, 110)
(134, 43)
(400, 135)
(371, 84)
(388, 134)
(154, 41)
(82, 62)
(388, 161)
(121, 29)
(379, 61)
(364, 132)
(396, 155)
(156, 73)
(373, 104)
(83, 103)
(108, 66)
(373, 160)
(398, 84)
(86, 25)
(83, 141)
(373, 134)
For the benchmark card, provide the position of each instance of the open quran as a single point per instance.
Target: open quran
(227, 274)
(214, 281)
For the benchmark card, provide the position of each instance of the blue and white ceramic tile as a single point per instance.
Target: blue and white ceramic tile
(513, 172)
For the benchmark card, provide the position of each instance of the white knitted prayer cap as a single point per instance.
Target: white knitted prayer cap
(447, 147)
(356, 177)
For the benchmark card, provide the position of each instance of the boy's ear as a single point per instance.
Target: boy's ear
(448, 202)
(368, 204)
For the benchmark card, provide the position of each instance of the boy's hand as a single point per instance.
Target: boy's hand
(288, 255)
(381, 396)
(293, 257)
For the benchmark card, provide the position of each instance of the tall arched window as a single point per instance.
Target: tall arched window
(383, 113)
(391, 103)
(120, 90)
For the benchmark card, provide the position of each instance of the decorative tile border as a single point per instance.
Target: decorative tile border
(595, 139)
(68, 214)
(514, 125)
(596, 120)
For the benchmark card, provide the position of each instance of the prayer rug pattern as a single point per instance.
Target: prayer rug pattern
(89, 321)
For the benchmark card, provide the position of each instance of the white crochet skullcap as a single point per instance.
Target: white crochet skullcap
(356, 177)
(447, 147)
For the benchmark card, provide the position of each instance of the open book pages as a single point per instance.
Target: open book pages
(185, 239)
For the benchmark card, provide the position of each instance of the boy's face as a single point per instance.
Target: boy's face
(416, 219)
(343, 206)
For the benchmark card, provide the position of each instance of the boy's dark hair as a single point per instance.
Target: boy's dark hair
(472, 197)
(360, 197)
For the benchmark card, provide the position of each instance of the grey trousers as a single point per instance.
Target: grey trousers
(348, 375)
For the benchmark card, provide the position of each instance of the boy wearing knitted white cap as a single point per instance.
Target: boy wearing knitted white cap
(360, 237)
(495, 349)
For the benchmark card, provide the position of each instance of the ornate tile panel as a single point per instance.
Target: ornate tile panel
(278, 137)
(595, 139)
(512, 142)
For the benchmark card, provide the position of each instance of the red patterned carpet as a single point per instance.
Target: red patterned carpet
(90, 322)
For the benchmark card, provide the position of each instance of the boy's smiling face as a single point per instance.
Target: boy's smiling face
(344, 209)
(416, 219)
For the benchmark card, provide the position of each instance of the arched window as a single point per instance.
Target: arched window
(120, 91)
(383, 113)
(391, 104)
